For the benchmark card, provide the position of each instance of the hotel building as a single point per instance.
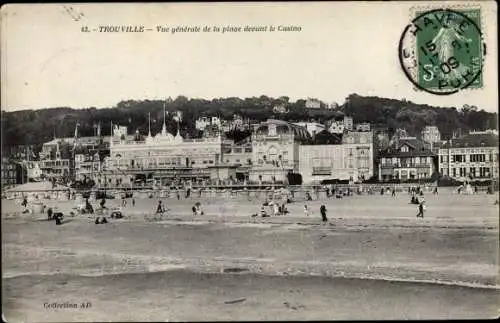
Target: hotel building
(473, 156)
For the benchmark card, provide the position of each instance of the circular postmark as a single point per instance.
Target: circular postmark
(441, 50)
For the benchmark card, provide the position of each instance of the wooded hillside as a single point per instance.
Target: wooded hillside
(38, 126)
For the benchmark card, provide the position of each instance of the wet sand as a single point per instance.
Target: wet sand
(190, 296)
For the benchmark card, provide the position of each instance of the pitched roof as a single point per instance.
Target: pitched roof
(473, 140)
(418, 148)
(324, 137)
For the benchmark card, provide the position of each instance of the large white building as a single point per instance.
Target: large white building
(473, 156)
(351, 160)
(275, 150)
(165, 159)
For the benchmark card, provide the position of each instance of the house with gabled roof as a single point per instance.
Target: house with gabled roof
(407, 159)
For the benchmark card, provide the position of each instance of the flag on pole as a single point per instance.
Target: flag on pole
(76, 135)
(76, 130)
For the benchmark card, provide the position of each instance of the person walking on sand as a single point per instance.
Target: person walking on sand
(276, 209)
(421, 208)
(322, 210)
(263, 212)
(306, 210)
(159, 208)
(24, 202)
(393, 191)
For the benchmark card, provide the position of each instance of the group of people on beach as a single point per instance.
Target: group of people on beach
(278, 209)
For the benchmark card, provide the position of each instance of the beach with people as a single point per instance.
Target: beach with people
(223, 261)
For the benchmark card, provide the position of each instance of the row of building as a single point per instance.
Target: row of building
(273, 152)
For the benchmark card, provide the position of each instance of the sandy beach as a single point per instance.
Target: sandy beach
(374, 261)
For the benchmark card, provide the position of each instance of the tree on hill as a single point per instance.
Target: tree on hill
(38, 126)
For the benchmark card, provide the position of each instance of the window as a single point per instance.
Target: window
(404, 149)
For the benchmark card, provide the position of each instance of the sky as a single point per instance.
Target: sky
(341, 48)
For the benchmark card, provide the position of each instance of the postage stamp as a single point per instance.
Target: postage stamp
(441, 51)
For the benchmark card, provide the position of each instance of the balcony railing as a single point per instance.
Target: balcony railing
(400, 165)
(322, 170)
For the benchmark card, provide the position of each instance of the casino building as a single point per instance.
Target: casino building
(275, 150)
(165, 159)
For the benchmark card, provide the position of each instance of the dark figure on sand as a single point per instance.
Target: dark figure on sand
(159, 208)
(421, 209)
(58, 217)
(88, 207)
(101, 220)
(322, 210)
(25, 202)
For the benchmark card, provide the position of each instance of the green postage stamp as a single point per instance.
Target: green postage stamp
(441, 51)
